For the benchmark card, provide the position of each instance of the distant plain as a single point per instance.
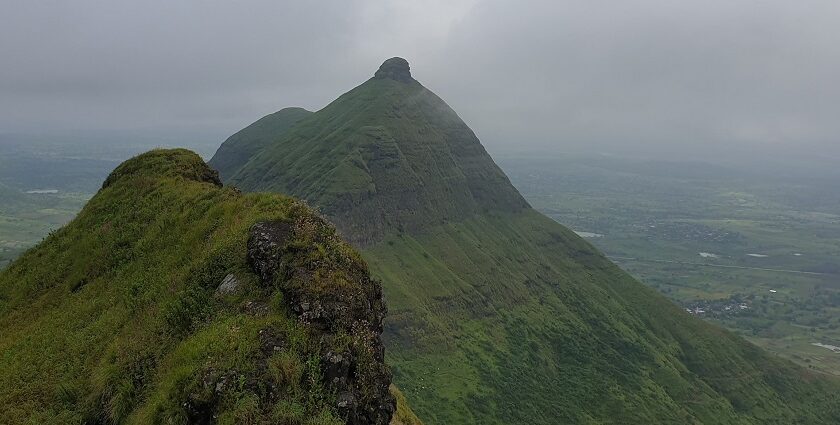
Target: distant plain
(756, 250)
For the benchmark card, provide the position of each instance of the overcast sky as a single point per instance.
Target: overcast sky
(679, 75)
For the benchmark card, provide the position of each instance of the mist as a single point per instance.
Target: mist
(683, 79)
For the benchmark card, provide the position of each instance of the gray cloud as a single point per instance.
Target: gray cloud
(643, 74)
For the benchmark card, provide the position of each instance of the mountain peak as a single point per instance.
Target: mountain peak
(396, 69)
(389, 154)
(465, 260)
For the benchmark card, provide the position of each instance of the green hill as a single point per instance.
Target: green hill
(239, 148)
(170, 299)
(499, 315)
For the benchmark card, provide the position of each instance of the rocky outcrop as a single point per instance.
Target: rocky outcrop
(395, 69)
(265, 247)
(228, 286)
(328, 287)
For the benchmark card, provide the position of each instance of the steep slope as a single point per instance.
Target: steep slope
(238, 149)
(499, 315)
(387, 156)
(170, 299)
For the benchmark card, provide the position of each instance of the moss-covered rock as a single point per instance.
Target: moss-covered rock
(328, 287)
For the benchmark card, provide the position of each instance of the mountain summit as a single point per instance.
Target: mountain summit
(498, 314)
(387, 156)
(396, 69)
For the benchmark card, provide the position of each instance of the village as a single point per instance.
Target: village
(718, 308)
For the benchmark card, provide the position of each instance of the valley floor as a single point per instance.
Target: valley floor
(26, 224)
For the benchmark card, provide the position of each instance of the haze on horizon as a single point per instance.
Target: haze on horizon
(638, 75)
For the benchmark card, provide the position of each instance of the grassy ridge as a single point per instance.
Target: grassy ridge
(238, 149)
(115, 318)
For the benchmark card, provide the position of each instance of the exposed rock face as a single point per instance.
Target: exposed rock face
(395, 69)
(264, 248)
(331, 291)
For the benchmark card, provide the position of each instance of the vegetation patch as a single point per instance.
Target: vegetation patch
(117, 317)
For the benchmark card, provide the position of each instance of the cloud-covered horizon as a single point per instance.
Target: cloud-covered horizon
(646, 74)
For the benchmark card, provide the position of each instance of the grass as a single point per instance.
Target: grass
(114, 318)
(255, 138)
(404, 415)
